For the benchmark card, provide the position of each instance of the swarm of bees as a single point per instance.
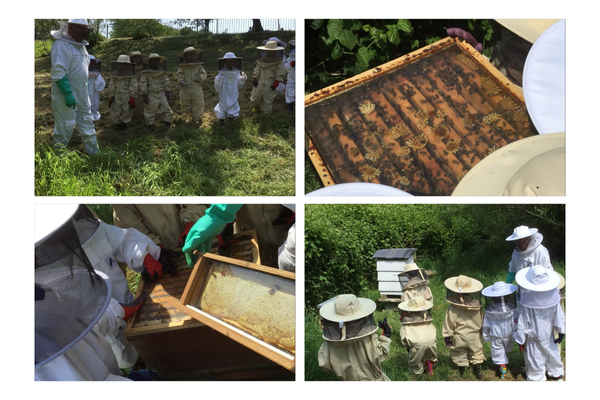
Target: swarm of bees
(489, 86)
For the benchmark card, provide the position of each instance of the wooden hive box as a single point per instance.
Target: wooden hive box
(251, 304)
(182, 348)
(390, 263)
(418, 123)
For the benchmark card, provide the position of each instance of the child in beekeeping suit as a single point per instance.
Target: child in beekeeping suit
(498, 322)
(417, 283)
(352, 349)
(418, 334)
(540, 315)
(155, 87)
(267, 76)
(290, 88)
(96, 84)
(463, 323)
(190, 75)
(137, 58)
(122, 90)
(228, 83)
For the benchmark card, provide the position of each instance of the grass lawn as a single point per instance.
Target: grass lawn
(396, 365)
(253, 155)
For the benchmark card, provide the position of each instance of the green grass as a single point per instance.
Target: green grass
(251, 156)
(41, 50)
(396, 365)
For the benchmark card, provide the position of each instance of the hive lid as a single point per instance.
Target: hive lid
(393, 254)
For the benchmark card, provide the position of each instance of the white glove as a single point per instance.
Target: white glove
(183, 83)
(243, 75)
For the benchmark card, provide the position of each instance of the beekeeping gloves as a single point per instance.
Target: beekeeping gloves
(466, 36)
(207, 228)
(65, 89)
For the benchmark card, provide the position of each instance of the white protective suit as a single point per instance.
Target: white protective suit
(155, 84)
(71, 59)
(534, 254)
(356, 360)
(535, 330)
(96, 84)
(109, 245)
(290, 87)
(267, 73)
(228, 85)
(90, 359)
(287, 252)
(498, 329)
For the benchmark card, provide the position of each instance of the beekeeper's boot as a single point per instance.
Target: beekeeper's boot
(503, 371)
(478, 373)
(429, 367)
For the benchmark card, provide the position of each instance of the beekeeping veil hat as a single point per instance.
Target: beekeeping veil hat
(463, 284)
(538, 287)
(270, 45)
(528, 29)
(534, 166)
(70, 297)
(62, 32)
(417, 303)
(521, 232)
(500, 297)
(348, 318)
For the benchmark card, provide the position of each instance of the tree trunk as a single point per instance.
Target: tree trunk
(257, 26)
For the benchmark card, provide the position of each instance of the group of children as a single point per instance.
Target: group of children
(141, 79)
(530, 315)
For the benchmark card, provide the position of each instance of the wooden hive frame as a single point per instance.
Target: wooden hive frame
(454, 165)
(193, 293)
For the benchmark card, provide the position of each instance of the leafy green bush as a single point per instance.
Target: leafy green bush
(342, 48)
(185, 31)
(340, 239)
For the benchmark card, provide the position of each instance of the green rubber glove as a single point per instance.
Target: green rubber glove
(207, 228)
(65, 89)
(510, 277)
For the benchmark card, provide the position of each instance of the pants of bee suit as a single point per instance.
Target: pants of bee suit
(120, 110)
(191, 104)
(420, 340)
(112, 327)
(157, 102)
(464, 327)
(139, 100)
(356, 360)
(536, 328)
(66, 118)
(90, 359)
(498, 328)
(263, 97)
(95, 85)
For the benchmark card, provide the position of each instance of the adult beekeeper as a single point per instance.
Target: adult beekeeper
(155, 88)
(352, 349)
(540, 315)
(69, 73)
(418, 334)
(498, 322)
(267, 76)
(96, 84)
(190, 75)
(228, 82)
(166, 224)
(462, 329)
(274, 223)
(528, 251)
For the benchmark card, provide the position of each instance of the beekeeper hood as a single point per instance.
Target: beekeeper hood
(228, 58)
(152, 67)
(500, 297)
(538, 287)
(269, 54)
(292, 49)
(123, 67)
(522, 232)
(63, 28)
(415, 310)
(190, 56)
(70, 297)
(348, 318)
(412, 271)
(463, 292)
(95, 64)
(137, 58)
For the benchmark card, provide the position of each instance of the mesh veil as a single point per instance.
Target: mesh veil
(354, 329)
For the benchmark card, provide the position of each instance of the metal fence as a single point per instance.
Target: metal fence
(245, 25)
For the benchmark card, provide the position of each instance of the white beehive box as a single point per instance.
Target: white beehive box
(390, 263)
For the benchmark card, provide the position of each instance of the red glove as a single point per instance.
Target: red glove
(131, 103)
(255, 82)
(275, 84)
(110, 100)
(153, 269)
(293, 63)
(186, 231)
(132, 307)
(521, 347)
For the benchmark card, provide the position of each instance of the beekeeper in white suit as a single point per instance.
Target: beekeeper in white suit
(540, 315)
(290, 88)
(71, 301)
(528, 251)
(352, 350)
(96, 84)
(70, 99)
(228, 82)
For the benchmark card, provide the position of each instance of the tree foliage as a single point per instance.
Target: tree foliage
(340, 239)
(140, 28)
(341, 48)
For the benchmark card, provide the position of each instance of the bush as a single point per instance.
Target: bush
(185, 31)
